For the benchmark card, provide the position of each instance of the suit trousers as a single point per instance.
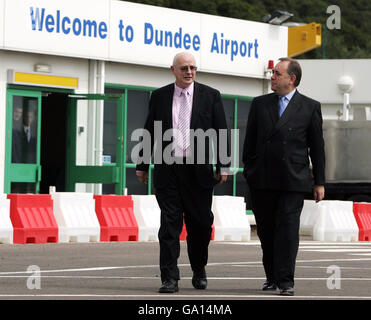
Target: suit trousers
(184, 198)
(277, 215)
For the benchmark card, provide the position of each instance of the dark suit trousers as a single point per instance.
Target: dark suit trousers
(277, 215)
(181, 196)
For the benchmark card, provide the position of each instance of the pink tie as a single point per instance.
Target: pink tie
(184, 120)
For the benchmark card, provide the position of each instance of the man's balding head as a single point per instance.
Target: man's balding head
(184, 69)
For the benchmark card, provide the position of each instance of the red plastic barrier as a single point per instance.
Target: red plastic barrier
(362, 213)
(33, 218)
(183, 235)
(116, 218)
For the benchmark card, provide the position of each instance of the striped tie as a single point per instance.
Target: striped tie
(184, 120)
(28, 134)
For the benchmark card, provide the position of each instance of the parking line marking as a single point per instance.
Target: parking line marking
(180, 265)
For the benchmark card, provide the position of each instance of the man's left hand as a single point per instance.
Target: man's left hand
(319, 193)
(222, 177)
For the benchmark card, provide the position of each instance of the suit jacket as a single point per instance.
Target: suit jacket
(207, 113)
(23, 151)
(276, 150)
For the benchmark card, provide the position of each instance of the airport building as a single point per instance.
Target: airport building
(80, 74)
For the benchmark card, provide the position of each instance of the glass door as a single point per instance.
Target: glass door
(23, 132)
(78, 171)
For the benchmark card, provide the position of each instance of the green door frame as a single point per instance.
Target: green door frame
(106, 174)
(21, 172)
(128, 165)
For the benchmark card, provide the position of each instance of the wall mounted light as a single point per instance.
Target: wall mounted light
(42, 68)
(277, 17)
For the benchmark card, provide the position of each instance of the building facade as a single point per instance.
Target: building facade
(79, 74)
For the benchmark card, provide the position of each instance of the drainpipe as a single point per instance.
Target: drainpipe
(99, 121)
(95, 120)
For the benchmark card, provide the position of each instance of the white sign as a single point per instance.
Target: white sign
(68, 27)
(240, 47)
(2, 23)
(152, 35)
(140, 34)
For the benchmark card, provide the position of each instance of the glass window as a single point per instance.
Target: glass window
(137, 111)
(228, 105)
(110, 127)
(132, 183)
(224, 189)
(24, 129)
(242, 116)
(23, 187)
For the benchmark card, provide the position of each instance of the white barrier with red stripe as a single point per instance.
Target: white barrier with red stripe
(6, 226)
(77, 220)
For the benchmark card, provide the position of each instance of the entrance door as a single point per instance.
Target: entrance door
(23, 132)
(109, 174)
(53, 140)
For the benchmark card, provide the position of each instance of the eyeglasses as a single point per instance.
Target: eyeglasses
(277, 73)
(185, 68)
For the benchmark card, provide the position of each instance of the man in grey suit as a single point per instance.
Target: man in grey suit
(284, 129)
(184, 187)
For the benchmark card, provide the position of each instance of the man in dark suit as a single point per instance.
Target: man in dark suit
(284, 128)
(24, 139)
(183, 187)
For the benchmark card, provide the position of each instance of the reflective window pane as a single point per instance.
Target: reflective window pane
(242, 116)
(225, 189)
(228, 105)
(24, 129)
(108, 188)
(110, 127)
(137, 112)
(132, 183)
(23, 187)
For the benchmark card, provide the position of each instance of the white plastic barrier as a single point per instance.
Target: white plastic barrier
(335, 222)
(147, 213)
(308, 217)
(251, 219)
(6, 226)
(76, 217)
(230, 220)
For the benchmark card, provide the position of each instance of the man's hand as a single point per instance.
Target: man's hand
(318, 193)
(142, 176)
(222, 177)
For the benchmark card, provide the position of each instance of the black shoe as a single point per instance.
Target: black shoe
(169, 286)
(199, 283)
(269, 286)
(289, 291)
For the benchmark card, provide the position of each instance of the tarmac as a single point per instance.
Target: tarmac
(129, 271)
